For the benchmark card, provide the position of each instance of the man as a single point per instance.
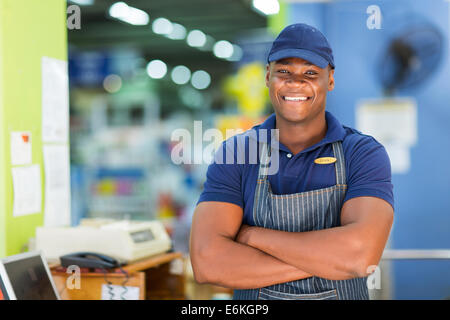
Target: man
(315, 228)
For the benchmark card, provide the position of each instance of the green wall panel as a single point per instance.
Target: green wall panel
(29, 30)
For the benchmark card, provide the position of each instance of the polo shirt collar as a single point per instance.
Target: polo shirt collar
(335, 131)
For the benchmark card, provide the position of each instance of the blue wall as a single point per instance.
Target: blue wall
(422, 196)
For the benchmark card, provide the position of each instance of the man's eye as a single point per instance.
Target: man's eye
(311, 72)
(283, 71)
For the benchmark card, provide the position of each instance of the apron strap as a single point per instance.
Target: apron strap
(264, 162)
(340, 162)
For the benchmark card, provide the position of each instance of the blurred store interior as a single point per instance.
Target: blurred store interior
(140, 70)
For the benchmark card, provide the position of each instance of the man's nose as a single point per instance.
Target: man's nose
(296, 81)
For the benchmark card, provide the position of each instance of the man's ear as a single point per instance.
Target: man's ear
(267, 74)
(330, 79)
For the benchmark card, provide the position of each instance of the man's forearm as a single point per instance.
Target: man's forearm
(230, 264)
(328, 253)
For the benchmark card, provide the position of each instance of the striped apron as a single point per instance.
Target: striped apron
(301, 212)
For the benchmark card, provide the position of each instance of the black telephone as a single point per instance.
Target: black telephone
(89, 260)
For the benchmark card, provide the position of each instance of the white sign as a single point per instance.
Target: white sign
(393, 122)
(55, 100)
(27, 190)
(57, 185)
(20, 148)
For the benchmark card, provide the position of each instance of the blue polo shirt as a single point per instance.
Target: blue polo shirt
(368, 169)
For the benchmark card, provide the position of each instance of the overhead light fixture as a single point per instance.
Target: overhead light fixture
(178, 32)
(200, 80)
(223, 49)
(162, 26)
(131, 15)
(156, 69)
(181, 75)
(196, 38)
(267, 7)
(83, 2)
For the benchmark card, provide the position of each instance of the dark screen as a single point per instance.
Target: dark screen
(29, 279)
(142, 236)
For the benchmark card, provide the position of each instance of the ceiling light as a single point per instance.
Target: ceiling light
(196, 38)
(267, 7)
(118, 10)
(134, 16)
(156, 69)
(181, 75)
(178, 32)
(83, 2)
(200, 79)
(162, 26)
(223, 49)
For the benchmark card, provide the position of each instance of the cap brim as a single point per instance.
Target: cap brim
(310, 56)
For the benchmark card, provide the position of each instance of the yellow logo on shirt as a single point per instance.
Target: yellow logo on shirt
(325, 160)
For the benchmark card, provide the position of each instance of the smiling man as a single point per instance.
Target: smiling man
(315, 228)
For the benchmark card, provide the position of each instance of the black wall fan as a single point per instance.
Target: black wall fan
(411, 57)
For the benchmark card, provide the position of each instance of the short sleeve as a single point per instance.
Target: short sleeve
(369, 171)
(223, 179)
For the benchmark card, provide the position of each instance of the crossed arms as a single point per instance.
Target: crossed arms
(226, 253)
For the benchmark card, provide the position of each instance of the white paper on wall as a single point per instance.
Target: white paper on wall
(55, 100)
(27, 190)
(57, 185)
(20, 148)
(393, 122)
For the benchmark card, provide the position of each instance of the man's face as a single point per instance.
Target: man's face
(297, 88)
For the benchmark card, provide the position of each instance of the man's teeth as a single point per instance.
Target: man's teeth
(296, 98)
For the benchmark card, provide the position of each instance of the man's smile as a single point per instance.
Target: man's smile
(292, 98)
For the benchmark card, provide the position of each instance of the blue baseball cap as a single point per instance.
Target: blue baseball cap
(302, 41)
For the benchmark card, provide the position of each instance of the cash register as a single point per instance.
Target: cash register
(124, 240)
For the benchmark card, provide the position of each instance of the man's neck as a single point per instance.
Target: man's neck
(300, 136)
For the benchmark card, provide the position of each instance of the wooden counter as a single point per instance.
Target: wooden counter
(155, 276)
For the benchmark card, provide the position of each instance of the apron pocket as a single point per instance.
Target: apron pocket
(267, 294)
